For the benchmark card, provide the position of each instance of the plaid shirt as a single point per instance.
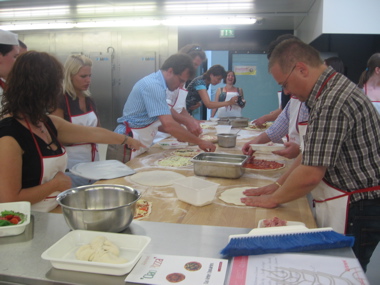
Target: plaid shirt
(344, 135)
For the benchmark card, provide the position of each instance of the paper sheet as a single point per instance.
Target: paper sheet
(300, 269)
(185, 270)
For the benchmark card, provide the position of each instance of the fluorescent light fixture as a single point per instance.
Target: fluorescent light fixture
(132, 22)
(34, 12)
(208, 21)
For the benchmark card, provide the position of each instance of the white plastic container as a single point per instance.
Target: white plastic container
(223, 129)
(21, 207)
(62, 253)
(195, 191)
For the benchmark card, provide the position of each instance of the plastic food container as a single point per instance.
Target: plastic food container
(62, 253)
(219, 165)
(269, 147)
(22, 207)
(223, 129)
(195, 191)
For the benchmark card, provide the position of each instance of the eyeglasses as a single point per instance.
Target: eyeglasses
(283, 85)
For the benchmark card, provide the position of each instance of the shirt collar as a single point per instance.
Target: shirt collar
(312, 99)
(160, 75)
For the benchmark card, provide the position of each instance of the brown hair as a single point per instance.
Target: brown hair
(34, 84)
(193, 50)
(179, 62)
(372, 63)
(216, 70)
(288, 52)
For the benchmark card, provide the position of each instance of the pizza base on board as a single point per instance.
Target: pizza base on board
(175, 161)
(156, 177)
(186, 152)
(263, 165)
(209, 138)
(233, 196)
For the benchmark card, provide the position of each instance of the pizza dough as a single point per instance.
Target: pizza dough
(186, 152)
(232, 196)
(156, 177)
(100, 249)
(209, 138)
(175, 161)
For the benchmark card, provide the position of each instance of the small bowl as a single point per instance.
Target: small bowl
(106, 208)
(223, 129)
(195, 191)
(227, 140)
(214, 119)
(21, 207)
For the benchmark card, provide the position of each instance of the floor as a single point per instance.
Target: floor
(373, 273)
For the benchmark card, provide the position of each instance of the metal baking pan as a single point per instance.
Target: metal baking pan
(235, 122)
(219, 165)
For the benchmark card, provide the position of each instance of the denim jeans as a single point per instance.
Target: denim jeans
(364, 224)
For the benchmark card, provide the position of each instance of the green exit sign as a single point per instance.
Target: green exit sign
(227, 33)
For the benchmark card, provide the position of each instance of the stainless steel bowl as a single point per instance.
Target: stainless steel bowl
(106, 208)
(227, 140)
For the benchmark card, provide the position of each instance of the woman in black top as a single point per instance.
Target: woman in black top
(32, 159)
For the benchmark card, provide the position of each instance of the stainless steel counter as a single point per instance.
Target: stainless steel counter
(21, 261)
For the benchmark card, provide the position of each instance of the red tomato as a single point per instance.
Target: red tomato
(14, 221)
(8, 217)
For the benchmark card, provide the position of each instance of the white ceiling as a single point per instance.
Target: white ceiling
(272, 14)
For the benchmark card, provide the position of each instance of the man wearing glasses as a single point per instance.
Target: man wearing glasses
(340, 161)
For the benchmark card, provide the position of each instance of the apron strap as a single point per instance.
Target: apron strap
(369, 189)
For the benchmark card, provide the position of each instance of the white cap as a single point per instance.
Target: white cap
(8, 38)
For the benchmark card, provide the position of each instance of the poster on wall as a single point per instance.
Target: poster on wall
(245, 70)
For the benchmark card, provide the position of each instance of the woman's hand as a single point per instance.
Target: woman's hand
(233, 100)
(63, 181)
(134, 144)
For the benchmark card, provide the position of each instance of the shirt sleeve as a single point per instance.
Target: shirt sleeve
(155, 101)
(280, 127)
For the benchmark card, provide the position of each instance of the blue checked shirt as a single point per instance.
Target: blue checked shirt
(280, 127)
(344, 135)
(145, 103)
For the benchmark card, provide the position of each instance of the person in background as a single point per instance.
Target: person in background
(32, 156)
(77, 106)
(341, 149)
(284, 97)
(369, 80)
(286, 124)
(225, 94)
(336, 63)
(146, 107)
(198, 89)
(177, 99)
(23, 47)
(9, 50)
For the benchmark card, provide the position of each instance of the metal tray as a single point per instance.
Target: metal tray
(219, 165)
(235, 122)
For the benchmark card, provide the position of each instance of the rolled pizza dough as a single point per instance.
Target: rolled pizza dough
(232, 196)
(156, 177)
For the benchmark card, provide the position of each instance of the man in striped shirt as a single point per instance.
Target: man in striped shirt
(146, 104)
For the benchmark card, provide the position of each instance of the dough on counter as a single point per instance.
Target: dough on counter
(156, 177)
(100, 250)
(232, 196)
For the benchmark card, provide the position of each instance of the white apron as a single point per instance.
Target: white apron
(144, 135)
(294, 111)
(177, 99)
(84, 152)
(50, 165)
(229, 111)
(331, 204)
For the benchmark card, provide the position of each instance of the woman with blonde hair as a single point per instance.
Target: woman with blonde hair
(77, 106)
(370, 80)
